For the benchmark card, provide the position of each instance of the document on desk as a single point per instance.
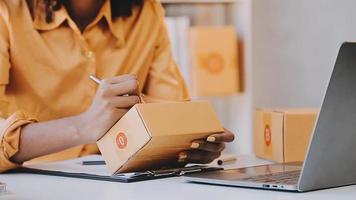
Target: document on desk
(74, 168)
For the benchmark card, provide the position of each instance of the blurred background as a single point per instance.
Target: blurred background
(280, 54)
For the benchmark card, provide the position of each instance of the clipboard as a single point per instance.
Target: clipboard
(123, 177)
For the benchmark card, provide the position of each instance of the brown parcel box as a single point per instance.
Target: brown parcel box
(214, 59)
(282, 135)
(151, 135)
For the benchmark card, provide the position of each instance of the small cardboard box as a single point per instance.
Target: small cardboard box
(282, 135)
(214, 59)
(152, 135)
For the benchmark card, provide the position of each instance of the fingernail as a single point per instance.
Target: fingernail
(194, 145)
(211, 139)
(182, 157)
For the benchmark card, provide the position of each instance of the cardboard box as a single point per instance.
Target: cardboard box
(283, 135)
(152, 135)
(214, 58)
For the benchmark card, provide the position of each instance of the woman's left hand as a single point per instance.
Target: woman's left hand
(205, 151)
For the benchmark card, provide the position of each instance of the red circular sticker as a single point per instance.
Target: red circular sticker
(213, 63)
(268, 135)
(121, 140)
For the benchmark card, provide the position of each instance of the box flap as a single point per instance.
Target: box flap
(189, 118)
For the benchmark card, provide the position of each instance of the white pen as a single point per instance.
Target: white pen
(95, 79)
(226, 160)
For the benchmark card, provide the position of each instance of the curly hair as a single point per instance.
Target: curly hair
(119, 8)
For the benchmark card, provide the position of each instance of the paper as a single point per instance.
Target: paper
(75, 166)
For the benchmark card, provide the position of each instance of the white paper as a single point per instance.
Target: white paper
(75, 166)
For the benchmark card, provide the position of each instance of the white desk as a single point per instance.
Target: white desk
(38, 187)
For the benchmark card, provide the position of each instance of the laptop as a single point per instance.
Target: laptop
(331, 157)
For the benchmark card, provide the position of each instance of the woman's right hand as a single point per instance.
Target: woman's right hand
(115, 96)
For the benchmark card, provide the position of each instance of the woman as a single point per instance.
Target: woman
(48, 48)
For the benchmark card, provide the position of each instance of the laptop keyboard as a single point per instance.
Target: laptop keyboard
(285, 178)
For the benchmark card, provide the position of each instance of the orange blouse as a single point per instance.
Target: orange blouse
(44, 67)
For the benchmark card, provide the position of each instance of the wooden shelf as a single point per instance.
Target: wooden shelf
(197, 1)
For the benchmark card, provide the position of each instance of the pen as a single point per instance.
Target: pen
(98, 81)
(98, 162)
(226, 160)
(95, 79)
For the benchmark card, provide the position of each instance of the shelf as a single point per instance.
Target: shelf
(197, 1)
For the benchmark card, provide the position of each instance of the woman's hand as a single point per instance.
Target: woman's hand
(115, 96)
(205, 151)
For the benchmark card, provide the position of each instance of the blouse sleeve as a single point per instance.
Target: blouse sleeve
(10, 125)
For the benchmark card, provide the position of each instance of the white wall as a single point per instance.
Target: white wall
(295, 44)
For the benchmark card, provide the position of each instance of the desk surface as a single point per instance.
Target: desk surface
(38, 187)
